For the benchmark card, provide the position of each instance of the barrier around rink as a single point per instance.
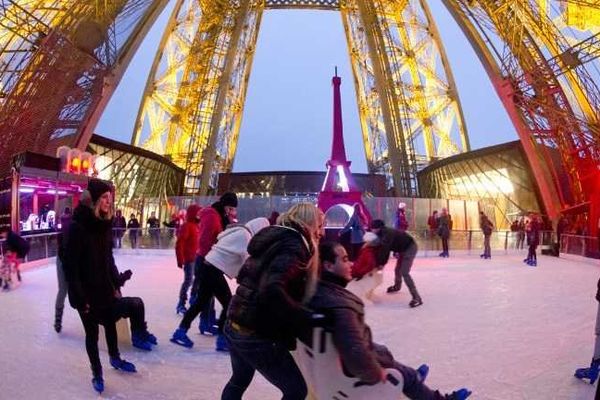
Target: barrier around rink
(45, 245)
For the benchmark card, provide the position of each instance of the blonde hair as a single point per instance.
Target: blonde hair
(310, 219)
(86, 200)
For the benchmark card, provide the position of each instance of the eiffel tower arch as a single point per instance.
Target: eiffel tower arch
(60, 61)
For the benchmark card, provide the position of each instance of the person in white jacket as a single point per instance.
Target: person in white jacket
(225, 257)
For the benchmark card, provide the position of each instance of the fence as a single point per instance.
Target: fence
(586, 246)
(45, 245)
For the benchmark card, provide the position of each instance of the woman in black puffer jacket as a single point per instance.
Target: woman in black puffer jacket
(268, 310)
(94, 282)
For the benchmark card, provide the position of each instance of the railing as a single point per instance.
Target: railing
(472, 240)
(45, 245)
(586, 246)
(144, 238)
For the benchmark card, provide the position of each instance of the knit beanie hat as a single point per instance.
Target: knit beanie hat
(229, 200)
(97, 188)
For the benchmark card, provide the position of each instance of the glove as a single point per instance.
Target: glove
(180, 266)
(125, 276)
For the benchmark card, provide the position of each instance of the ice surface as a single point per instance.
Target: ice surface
(505, 330)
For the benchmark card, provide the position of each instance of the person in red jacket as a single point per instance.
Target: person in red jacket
(186, 248)
(212, 220)
(367, 257)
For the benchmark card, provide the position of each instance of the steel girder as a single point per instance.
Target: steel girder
(59, 63)
(401, 43)
(515, 42)
(192, 108)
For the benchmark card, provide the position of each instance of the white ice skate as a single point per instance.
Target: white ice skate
(322, 370)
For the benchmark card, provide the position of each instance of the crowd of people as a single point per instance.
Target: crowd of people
(290, 279)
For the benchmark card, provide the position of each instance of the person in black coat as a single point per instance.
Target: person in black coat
(396, 241)
(61, 295)
(94, 282)
(268, 312)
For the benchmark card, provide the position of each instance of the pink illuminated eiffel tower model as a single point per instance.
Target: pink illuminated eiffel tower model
(339, 186)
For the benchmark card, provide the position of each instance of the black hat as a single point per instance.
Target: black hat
(377, 224)
(97, 188)
(229, 200)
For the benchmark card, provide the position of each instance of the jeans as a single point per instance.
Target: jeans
(445, 247)
(251, 353)
(188, 277)
(62, 286)
(402, 271)
(211, 282)
(487, 250)
(133, 239)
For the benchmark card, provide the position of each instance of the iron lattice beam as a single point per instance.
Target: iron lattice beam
(303, 4)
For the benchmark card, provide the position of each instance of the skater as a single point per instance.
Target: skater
(345, 316)
(521, 234)
(268, 312)
(355, 228)
(16, 249)
(533, 240)
(591, 373)
(94, 281)
(406, 247)
(119, 225)
(186, 249)
(59, 304)
(432, 224)
(273, 218)
(444, 228)
(134, 230)
(225, 257)
(401, 223)
(153, 225)
(365, 276)
(486, 227)
(212, 221)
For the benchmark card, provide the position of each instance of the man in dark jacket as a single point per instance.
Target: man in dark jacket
(393, 240)
(352, 338)
(119, 227)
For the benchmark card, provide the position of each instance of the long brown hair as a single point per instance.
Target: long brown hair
(310, 219)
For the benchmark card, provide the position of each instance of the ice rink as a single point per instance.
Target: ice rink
(504, 330)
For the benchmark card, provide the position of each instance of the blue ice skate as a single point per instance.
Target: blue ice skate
(222, 344)
(590, 373)
(181, 338)
(422, 372)
(98, 384)
(120, 364)
(460, 394)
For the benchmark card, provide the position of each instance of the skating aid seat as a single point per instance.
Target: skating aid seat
(326, 379)
(365, 286)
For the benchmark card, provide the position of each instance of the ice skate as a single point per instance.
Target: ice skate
(98, 384)
(181, 338)
(422, 372)
(222, 344)
(415, 303)
(460, 394)
(590, 373)
(122, 365)
(139, 339)
(393, 289)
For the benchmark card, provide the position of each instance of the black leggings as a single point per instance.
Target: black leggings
(90, 322)
(124, 307)
(211, 282)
